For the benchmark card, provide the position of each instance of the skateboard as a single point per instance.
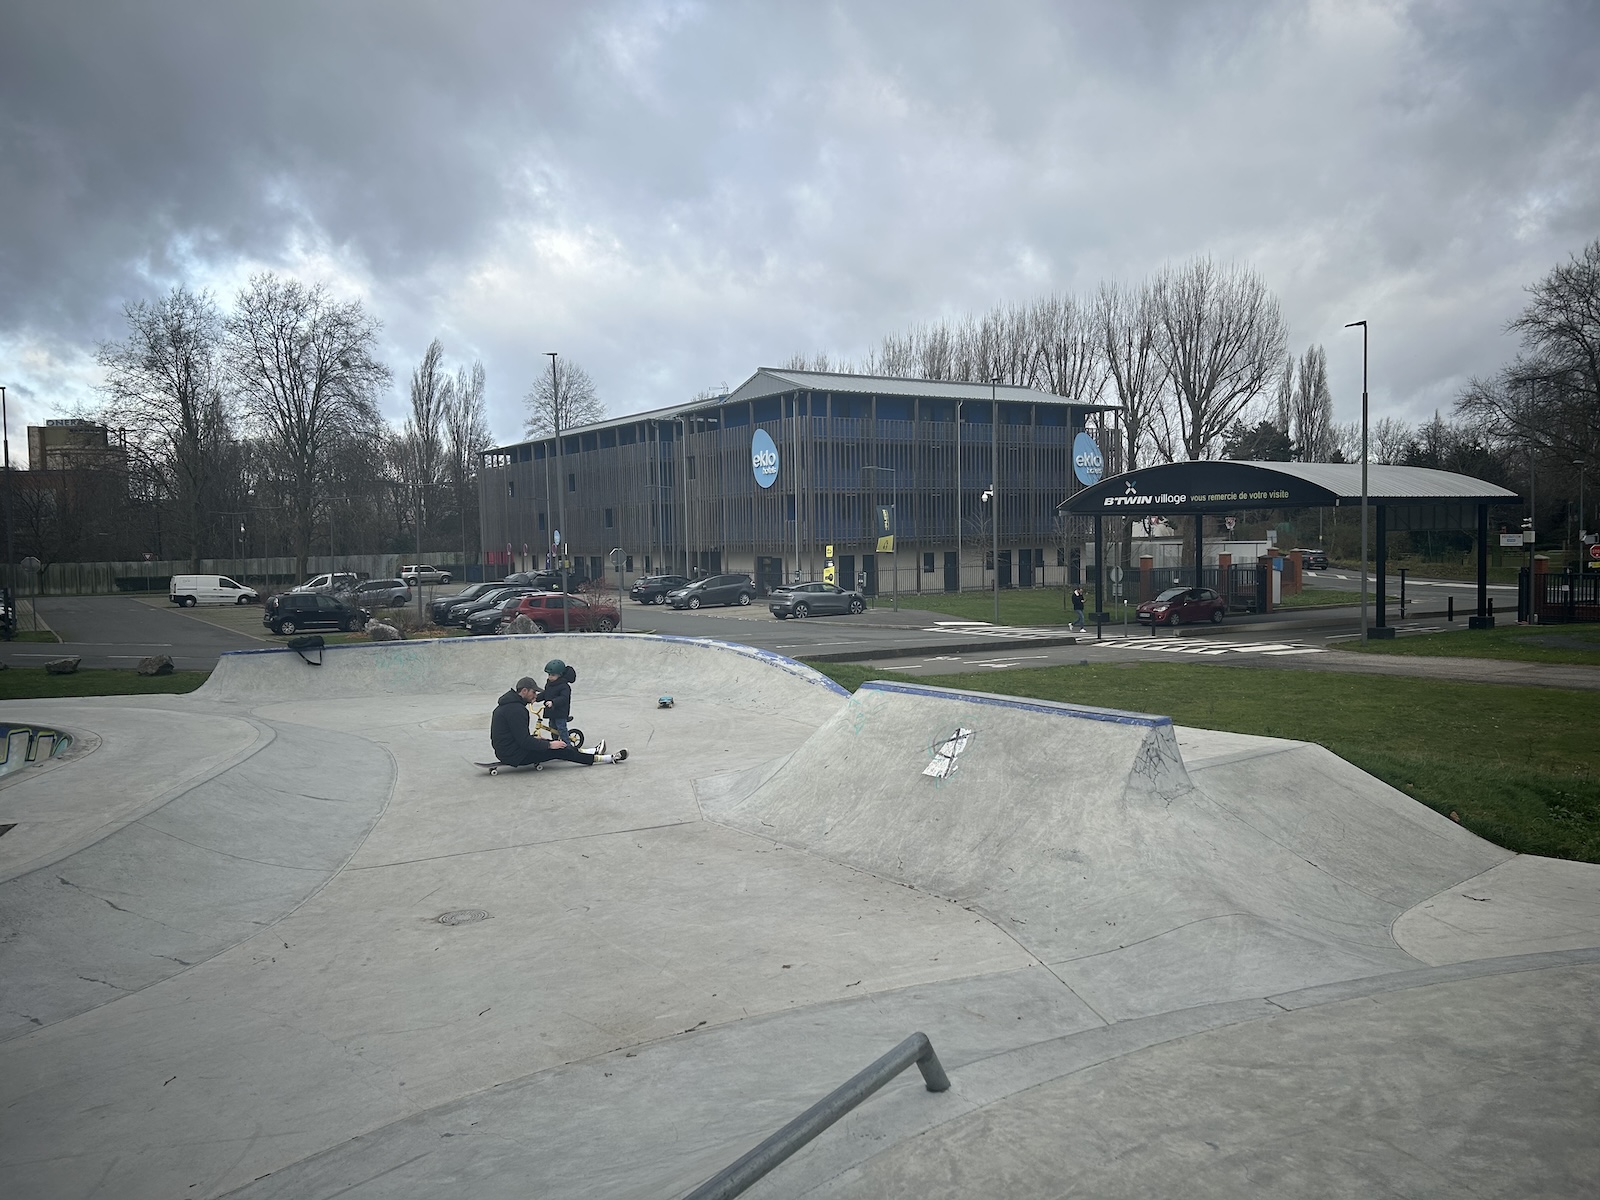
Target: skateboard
(494, 768)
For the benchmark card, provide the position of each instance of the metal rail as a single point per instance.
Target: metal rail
(734, 1179)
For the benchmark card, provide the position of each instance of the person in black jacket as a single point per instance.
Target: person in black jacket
(556, 695)
(514, 744)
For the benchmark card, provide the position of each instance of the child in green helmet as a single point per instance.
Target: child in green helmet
(556, 695)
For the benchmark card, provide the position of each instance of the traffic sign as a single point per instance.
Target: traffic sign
(1229, 522)
(1594, 551)
(1116, 574)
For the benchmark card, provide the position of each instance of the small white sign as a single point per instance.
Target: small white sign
(1510, 540)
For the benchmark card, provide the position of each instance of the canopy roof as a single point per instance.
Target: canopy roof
(1201, 487)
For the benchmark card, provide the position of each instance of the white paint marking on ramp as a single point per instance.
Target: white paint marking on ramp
(1300, 650)
(946, 752)
(963, 623)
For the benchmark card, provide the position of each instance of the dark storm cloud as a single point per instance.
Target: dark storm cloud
(675, 193)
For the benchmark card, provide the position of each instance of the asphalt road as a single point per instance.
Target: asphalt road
(117, 631)
(112, 631)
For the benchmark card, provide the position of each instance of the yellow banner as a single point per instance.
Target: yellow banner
(829, 554)
(828, 573)
(886, 544)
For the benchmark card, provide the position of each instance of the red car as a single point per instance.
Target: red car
(545, 610)
(1184, 606)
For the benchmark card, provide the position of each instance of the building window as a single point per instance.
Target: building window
(511, 488)
(610, 520)
(1061, 556)
(691, 467)
(572, 482)
(627, 564)
(541, 522)
(927, 564)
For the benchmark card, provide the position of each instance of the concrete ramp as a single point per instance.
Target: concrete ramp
(611, 663)
(1081, 833)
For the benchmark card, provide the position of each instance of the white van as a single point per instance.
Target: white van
(189, 590)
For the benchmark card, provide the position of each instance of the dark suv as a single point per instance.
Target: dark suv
(291, 612)
(714, 589)
(653, 589)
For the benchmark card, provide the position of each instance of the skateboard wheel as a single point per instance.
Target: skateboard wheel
(538, 766)
(494, 770)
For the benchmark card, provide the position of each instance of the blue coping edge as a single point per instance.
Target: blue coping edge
(782, 661)
(1051, 708)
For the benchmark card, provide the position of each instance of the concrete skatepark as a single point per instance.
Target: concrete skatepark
(279, 938)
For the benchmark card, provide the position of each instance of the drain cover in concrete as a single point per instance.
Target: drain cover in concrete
(462, 916)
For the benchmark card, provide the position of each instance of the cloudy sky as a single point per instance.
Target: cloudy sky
(673, 194)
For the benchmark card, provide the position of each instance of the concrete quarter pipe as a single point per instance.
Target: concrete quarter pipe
(1155, 961)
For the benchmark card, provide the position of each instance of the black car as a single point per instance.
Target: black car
(291, 612)
(1314, 560)
(714, 589)
(653, 589)
(459, 613)
(544, 581)
(439, 609)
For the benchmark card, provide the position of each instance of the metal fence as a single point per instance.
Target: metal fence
(1562, 599)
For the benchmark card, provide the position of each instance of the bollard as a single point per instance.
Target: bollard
(1450, 608)
(1491, 606)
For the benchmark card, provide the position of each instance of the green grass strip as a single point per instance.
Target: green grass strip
(1515, 764)
(1576, 644)
(32, 683)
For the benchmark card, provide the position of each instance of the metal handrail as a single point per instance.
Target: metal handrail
(733, 1179)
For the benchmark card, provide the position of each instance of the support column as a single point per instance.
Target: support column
(1199, 549)
(1483, 620)
(1099, 573)
(1382, 629)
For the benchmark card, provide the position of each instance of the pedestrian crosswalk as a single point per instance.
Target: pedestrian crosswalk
(985, 629)
(1206, 647)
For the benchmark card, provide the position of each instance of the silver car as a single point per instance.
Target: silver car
(380, 593)
(814, 600)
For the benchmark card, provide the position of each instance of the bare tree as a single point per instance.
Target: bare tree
(566, 401)
(1067, 354)
(163, 383)
(1221, 344)
(431, 392)
(304, 367)
(1126, 322)
(1387, 440)
(466, 435)
(1311, 408)
(1550, 397)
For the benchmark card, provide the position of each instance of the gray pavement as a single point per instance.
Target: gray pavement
(1155, 960)
(117, 631)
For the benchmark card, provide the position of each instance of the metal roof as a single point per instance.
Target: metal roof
(775, 381)
(770, 381)
(1214, 486)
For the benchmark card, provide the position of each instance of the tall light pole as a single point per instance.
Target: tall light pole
(1363, 325)
(1581, 464)
(994, 488)
(561, 488)
(5, 431)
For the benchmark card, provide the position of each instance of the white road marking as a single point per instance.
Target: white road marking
(1207, 647)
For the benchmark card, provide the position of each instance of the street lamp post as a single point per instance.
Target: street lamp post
(1363, 325)
(1581, 464)
(5, 428)
(994, 489)
(561, 488)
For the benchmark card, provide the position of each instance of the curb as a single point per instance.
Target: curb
(845, 656)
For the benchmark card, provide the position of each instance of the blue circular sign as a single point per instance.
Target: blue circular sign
(1088, 464)
(764, 458)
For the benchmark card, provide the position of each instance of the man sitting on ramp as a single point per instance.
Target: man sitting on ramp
(514, 744)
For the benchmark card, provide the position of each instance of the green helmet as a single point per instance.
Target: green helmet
(554, 667)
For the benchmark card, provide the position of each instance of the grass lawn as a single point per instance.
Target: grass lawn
(1517, 765)
(1578, 644)
(1018, 606)
(28, 683)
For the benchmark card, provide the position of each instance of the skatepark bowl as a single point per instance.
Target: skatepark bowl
(279, 938)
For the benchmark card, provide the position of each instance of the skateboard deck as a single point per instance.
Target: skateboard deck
(494, 768)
